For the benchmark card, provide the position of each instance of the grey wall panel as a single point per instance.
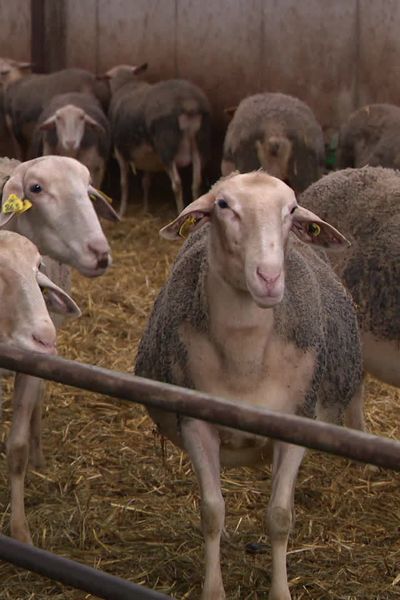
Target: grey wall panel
(136, 31)
(15, 29)
(219, 46)
(379, 67)
(334, 55)
(310, 51)
(81, 34)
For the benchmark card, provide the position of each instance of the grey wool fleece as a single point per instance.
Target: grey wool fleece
(316, 314)
(364, 204)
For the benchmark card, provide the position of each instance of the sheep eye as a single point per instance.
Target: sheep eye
(35, 188)
(293, 209)
(314, 229)
(222, 203)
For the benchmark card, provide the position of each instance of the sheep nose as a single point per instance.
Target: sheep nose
(269, 279)
(44, 337)
(102, 254)
(71, 144)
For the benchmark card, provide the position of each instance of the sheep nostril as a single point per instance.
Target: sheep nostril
(102, 263)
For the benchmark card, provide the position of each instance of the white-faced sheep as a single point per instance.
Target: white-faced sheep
(371, 137)
(278, 133)
(50, 201)
(364, 203)
(74, 125)
(251, 314)
(159, 127)
(25, 98)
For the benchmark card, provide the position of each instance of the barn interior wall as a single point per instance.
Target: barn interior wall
(334, 55)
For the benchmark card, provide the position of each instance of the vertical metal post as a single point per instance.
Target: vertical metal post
(48, 35)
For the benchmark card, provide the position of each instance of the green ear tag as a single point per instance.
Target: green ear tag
(314, 229)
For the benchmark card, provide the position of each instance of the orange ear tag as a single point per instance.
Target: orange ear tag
(186, 226)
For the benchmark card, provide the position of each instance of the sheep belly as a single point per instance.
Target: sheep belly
(145, 158)
(382, 358)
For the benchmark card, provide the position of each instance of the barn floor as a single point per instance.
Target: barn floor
(108, 499)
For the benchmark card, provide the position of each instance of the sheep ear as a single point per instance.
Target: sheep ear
(49, 123)
(313, 230)
(56, 299)
(194, 216)
(102, 204)
(90, 121)
(13, 187)
(25, 65)
(140, 68)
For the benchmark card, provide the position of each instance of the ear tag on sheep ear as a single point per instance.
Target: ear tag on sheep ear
(93, 197)
(314, 229)
(14, 204)
(186, 226)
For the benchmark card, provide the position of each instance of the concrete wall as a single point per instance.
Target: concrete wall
(334, 55)
(15, 29)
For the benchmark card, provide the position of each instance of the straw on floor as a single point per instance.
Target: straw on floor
(117, 497)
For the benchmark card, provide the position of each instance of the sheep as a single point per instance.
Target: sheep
(247, 303)
(25, 99)
(278, 133)
(48, 200)
(75, 125)
(364, 204)
(158, 127)
(10, 70)
(371, 137)
(25, 321)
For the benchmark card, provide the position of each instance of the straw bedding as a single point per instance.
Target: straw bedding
(110, 497)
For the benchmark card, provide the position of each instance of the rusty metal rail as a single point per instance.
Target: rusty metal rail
(297, 430)
(75, 574)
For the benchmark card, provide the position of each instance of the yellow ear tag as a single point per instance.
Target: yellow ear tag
(314, 229)
(93, 197)
(14, 204)
(186, 226)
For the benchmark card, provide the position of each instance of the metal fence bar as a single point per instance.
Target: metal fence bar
(73, 573)
(297, 430)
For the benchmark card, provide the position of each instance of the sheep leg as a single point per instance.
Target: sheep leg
(176, 186)
(19, 155)
(286, 462)
(201, 442)
(354, 413)
(26, 392)
(36, 457)
(146, 180)
(124, 181)
(196, 170)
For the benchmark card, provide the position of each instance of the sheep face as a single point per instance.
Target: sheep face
(48, 201)
(250, 218)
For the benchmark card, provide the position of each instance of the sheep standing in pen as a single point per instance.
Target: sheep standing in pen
(371, 136)
(74, 125)
(10, 70)
(278, 133)
(364, 204)
(251, 314)
(48, 200)
(25, 98)
(158, 127)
